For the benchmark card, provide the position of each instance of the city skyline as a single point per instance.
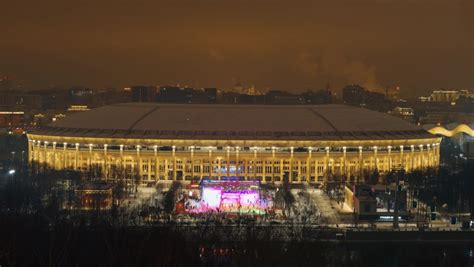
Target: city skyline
(377, 44)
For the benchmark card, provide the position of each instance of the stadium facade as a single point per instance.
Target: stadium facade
(158, 142)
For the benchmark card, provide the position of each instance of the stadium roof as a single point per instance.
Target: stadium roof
(268, 122)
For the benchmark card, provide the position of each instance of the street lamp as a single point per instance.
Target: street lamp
(12, 173)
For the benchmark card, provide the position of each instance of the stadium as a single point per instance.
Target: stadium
(162, 142)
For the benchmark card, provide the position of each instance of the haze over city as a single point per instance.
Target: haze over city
(419, 45)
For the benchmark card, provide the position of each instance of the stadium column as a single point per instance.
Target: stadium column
(420, 156)
(76, 156)
(167, 169)
(389, 148)
(45, 152)
(433, 155)
(428, 158)
(106, 170)
(273, 163)
(148, 161)
(291, 164)
(30, 151)
(201, 169)
(326, 166)
(35, 152)
(281, 169)
(376, 159)
(210, 163)
(237, 164)
(361, 166)
(40, 153)
(121, 161)
(376, 162)
(219, 162)
(65, 157)
(139, 162)
(299, 171)
(430, 153)
(316, 170)
(174, 162)
(401, 158)
(245, 168)
(428, 147)
(90, 156)
(191, 148)
(254, 163)
(54, 155)
(308, 165)
(157, 166)
(438, 152)
(228, 162)
(333, 164)
(344, 163)
(38, 150)
(264, 171)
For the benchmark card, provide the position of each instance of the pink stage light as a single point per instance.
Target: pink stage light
(249, 199)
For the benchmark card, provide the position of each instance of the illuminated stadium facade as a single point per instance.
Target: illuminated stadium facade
(159, 142)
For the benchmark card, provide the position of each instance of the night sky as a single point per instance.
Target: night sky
(292, 45)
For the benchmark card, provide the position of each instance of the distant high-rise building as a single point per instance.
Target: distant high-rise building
(211, 94)
(356, 95)
(172, 94)
(353, 94)
(317, 97)
(81, 91)
(189, 95)
(143, 93)
(447, 96)
(81, 95)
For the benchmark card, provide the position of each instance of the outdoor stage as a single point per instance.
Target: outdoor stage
(227, 196)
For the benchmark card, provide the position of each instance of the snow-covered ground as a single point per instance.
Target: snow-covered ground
(328, 209)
